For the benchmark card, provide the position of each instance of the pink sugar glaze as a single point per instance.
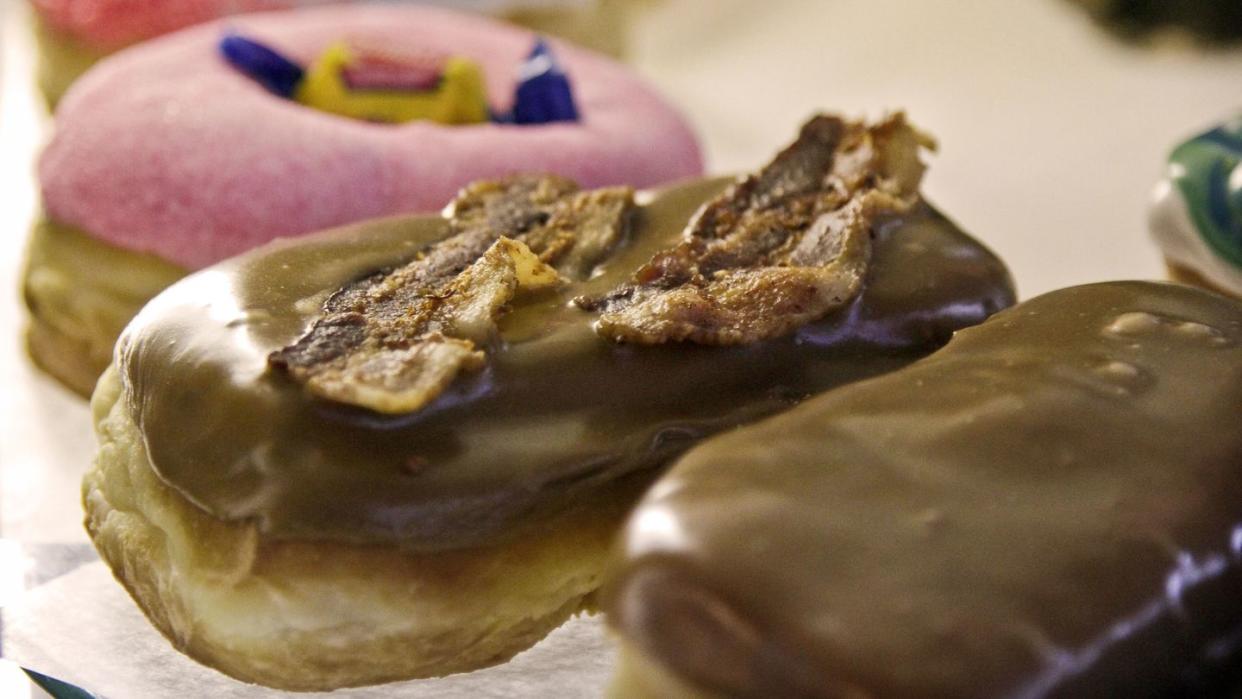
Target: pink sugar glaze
(165, 149)
(112, 24)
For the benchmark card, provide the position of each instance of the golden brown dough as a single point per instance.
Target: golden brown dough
(80, 293)
(271, 612)
(1185, 275)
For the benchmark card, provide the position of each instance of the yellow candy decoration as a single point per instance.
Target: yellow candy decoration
(459, 96)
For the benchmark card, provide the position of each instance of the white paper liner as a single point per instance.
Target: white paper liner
(84, 629)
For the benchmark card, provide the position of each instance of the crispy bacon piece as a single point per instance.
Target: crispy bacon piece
(779, 248)
(394, 341)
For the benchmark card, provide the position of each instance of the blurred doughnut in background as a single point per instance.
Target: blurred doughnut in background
(74, 34)
(1205, 21)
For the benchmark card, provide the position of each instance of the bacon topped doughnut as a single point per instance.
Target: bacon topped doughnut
(402, 448)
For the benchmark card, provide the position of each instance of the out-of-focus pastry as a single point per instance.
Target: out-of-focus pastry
(1210, 21)
(402, 449)
(1050, 506)
(203, 144)
(75, 34)
(1196, 218)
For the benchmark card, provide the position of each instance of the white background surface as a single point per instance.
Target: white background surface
(1051, 135)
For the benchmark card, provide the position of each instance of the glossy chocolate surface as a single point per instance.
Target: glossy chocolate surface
(558, 412)
(1049, 506)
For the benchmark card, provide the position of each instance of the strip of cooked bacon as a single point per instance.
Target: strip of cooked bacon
(779, 248)
(394, 341)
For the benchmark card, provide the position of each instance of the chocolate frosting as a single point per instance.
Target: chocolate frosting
(558, 413)
(1049, 506)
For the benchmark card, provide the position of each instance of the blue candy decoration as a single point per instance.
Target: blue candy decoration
(543, 92)
(263, 65)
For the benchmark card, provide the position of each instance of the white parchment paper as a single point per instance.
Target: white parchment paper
(84, 629)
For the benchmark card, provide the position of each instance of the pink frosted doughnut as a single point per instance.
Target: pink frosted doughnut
(163, 148)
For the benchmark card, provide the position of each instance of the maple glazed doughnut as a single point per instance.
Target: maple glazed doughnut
(381, 452)
(170, 159)
(1049, 506)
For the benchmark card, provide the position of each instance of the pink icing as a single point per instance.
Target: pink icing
(111, 24)
(165, 149)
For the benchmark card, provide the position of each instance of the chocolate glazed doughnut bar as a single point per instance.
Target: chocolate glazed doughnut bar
(1050, 506)
(401, 449)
